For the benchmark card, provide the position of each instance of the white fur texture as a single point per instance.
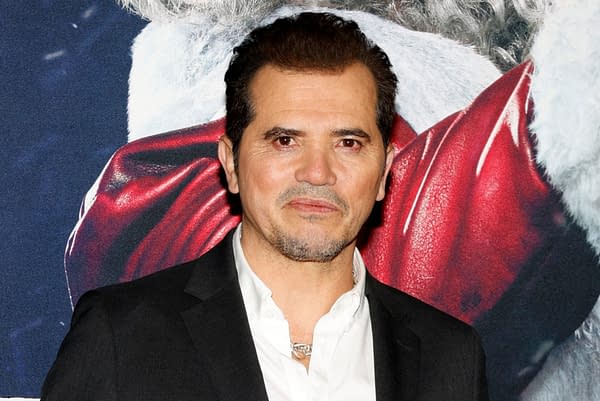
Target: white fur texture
(177, 71)
(566, 94)
(176, 77)
(171, 10)
(501, 30)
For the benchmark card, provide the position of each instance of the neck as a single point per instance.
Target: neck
(304, 291)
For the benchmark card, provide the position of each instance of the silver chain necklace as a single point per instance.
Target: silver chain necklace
(301, 350)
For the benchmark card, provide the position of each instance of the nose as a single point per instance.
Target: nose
(315, 167)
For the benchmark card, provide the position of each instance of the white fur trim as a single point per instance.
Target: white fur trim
(242, 10)
(176, 77)
(566, 94)
(177, 71)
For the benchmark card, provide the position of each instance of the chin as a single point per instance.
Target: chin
(310, 247)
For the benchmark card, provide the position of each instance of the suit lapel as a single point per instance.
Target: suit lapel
(220, 331)
(219, 327)
(396, 350)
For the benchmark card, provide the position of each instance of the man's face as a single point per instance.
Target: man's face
(311, 164)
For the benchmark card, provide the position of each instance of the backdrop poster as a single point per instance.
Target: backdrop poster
(65, 68)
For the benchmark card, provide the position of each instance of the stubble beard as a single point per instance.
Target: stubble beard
(301, 250)
(308, 248)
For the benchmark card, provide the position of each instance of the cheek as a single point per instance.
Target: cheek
(260, 186)
(365, 191)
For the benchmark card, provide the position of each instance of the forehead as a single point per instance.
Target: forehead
(345, 96)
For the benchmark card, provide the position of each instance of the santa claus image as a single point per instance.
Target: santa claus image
(493, 206)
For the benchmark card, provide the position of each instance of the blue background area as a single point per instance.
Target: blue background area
(64, 67)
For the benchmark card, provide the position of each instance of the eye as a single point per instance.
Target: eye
(350, 143)
(284, 140)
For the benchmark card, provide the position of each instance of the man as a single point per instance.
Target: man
(283, 308)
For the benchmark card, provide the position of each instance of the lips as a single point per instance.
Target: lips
(313, 205)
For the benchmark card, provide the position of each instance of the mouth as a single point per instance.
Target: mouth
(313, 206)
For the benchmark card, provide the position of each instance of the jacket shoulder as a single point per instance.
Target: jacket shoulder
(164, 289)
(419, 316)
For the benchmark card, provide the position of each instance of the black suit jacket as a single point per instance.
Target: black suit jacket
(183, 334)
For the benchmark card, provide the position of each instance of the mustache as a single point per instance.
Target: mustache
(314, 192)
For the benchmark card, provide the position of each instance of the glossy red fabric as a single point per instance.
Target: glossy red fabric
(467, 207)
(465, 211)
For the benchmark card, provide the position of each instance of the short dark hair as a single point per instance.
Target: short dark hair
(304, 42)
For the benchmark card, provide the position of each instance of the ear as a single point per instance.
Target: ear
(227, 162)
(390, 153)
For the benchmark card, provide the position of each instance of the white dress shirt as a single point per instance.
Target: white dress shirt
(341, 365)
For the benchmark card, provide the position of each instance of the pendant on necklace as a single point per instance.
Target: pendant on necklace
(300, 350)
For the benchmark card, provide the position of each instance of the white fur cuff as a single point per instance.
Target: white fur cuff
(566, 94)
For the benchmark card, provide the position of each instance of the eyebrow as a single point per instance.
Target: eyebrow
(279, 131)
(357, 132)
